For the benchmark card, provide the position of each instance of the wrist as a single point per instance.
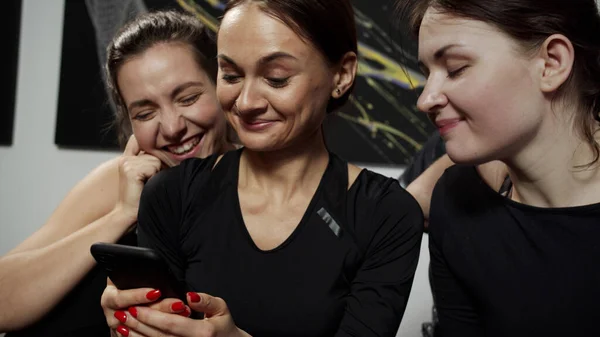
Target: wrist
(123, 215)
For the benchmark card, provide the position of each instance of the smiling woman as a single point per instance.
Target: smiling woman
(518, 82)
(282, 236)
(161, 68)
(163, 91)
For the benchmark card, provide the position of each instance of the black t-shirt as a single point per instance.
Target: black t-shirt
(346, 270)
(501, 268)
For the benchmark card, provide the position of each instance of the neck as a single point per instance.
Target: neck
(545, 172)
(284, 171)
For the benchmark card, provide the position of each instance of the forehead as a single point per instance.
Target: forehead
(248, 31)
(167, 57)
(439, 29)
(162, 66)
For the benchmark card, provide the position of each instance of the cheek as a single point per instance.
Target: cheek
(145, 134)
(306, 101)
(494, 100)
(226, 95)
(205, 113)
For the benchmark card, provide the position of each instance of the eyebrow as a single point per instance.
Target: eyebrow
(263, 60)
(439, 54)
(174, 93)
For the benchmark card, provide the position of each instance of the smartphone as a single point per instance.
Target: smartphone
(130, 267)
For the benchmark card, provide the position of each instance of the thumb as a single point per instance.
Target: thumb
(209, 305)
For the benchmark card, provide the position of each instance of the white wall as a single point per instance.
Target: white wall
(35, 175)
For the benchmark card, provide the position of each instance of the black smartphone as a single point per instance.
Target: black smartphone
(131, 267)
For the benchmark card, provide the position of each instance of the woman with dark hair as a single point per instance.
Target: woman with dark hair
(282, 237)
(519, 82)
(161, 70)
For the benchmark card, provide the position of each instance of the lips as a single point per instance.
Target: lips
(445, 125)
(256, 125)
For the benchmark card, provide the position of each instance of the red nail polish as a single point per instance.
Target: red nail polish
(121, 316)
(185, 313)
(133, 311)
(194, 297)
(123, 330)
(177, 306)
(153, 295)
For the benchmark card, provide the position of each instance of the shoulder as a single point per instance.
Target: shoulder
(380, 201)
(456, 175)
(462, 197)
(374, 187)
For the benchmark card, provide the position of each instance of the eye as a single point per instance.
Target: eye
(277, 82)
(457, 72)
(189, 100)
(144, 116)
(231, 78)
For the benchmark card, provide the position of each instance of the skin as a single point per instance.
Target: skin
(502, 101)
(172, 102)
(276, 103)
(103, 205)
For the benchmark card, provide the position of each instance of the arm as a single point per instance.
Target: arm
(379, 292)
(456, 311)
(422, 187)
(39, 272)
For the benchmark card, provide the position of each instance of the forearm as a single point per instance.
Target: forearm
(422, 187)
(33, 282)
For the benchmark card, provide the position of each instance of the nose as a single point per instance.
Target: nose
(172, 125)
(250, 101)
(432, 99)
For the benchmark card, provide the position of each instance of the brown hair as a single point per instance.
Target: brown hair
(327, 24)
(148, 30)
(530, 23)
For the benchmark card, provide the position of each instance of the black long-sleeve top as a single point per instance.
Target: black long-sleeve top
(346, 270)
(502, 268)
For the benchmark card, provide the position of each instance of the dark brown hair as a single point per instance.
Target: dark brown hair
(530, 23)
(327, 24)
(148, 30)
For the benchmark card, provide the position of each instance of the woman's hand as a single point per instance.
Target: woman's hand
(149, 322)
(120, 305)
(135, 168)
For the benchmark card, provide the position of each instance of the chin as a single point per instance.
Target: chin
(260, 145)
(465, 156)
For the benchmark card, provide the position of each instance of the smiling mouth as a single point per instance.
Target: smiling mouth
(185, 147)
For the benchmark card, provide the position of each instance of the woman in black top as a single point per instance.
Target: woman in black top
(515, 81)
(292, 239)
(50, 284)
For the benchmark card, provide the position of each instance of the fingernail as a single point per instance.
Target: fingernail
(177, 306)
(123, 330)
(133, 311)
(185, 313)
(194, 297)
(121, 316)
(153, 295)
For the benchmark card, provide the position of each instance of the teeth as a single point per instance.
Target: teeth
(186, 147)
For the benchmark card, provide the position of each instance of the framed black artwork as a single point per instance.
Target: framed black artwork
(380, 124)
(11, 26)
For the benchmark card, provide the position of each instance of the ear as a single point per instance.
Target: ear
(344, 74)
(558, 56)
